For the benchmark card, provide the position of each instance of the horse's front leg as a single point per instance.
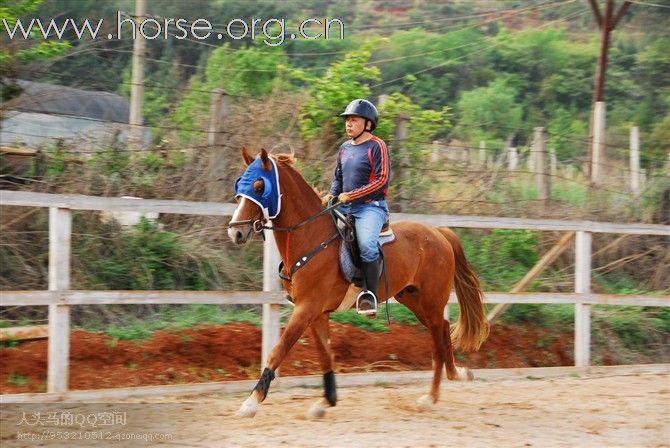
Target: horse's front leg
(301, 318)
(320, 332)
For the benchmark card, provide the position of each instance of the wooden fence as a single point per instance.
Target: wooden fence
(59, 298)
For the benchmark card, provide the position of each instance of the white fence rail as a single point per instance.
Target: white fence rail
(60, 297)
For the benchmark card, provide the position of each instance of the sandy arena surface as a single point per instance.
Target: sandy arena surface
(627, 410)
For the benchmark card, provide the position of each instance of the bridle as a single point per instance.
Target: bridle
(257, 226)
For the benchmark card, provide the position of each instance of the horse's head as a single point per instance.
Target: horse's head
(258, 195)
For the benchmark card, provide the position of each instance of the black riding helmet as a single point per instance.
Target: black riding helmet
(363, 108)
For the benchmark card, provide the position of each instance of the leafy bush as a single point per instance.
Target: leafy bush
(502, 257)
(142, 257)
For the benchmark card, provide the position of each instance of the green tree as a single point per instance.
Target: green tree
(329, 94)
(249, 72)
(567, 135)
(424, 125)
(547, 68)
(19, 51)
(443, 64)
(657, 145)
(489, 113)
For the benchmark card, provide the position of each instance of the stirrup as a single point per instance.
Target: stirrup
(372, 310)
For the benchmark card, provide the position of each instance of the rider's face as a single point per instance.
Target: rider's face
(354, 125)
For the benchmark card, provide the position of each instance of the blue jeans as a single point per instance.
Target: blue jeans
(370, 218)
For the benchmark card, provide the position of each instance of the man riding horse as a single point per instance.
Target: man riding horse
(361, 182)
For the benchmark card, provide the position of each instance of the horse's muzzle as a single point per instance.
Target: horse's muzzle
(239, 234)
(240, 231)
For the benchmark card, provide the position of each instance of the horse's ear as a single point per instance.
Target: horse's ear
(265, 160)
(245, 155)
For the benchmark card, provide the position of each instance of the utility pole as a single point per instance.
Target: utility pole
(135, 119)
(607, 23)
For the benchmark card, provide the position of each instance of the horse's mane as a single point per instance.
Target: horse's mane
(289, 161)
(285, 159)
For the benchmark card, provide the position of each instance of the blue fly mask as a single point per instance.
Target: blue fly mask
(269, 200)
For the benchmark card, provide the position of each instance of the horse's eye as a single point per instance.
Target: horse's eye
(259, 186)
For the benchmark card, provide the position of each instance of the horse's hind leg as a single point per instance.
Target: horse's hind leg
(436, 327)
(454, 372)
(434, 321)
(320, 332)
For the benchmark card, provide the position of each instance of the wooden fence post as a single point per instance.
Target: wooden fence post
(542, 176)
(482, 154)
(219, 160)
(553, 162)
(635, 160)
(512, 158)
(135, 115)
(217, 105)
(583, 311)
(381, 100)
(60, 231)
(401, 157)
(271, 312)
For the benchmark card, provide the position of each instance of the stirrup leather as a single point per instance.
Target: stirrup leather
(370, 311)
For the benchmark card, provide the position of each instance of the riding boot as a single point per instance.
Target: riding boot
(366, 303)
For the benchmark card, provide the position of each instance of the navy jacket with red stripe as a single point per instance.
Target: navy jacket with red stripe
(363, 171)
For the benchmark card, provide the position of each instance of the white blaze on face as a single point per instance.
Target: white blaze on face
(232, 230)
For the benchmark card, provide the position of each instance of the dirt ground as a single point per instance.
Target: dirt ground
(613, 410)
(233, 351)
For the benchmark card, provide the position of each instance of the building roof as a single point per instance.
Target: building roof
(59, 100)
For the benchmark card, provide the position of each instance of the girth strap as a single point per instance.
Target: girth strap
(302, 261)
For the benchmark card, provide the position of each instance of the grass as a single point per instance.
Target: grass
(397, 313)
(178, 318)
(524, 188)
(17, 380)
(537, 314)
(10, 343)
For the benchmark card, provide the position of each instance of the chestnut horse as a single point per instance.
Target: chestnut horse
(422, 264)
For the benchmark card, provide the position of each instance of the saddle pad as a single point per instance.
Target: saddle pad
(349, 269)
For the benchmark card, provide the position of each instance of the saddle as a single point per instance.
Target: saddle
(350, 257)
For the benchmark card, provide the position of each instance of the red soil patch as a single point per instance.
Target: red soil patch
(232, 352)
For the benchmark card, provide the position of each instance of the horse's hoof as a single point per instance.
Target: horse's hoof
(425, 403)
(316, 411)
(465, 374)
(248, 408)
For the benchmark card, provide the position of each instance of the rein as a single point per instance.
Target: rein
(258, 225)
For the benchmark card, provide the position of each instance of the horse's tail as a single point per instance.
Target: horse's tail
(472, 328)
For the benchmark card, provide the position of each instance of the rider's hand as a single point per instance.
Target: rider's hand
(344, 198)
(326, 199)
